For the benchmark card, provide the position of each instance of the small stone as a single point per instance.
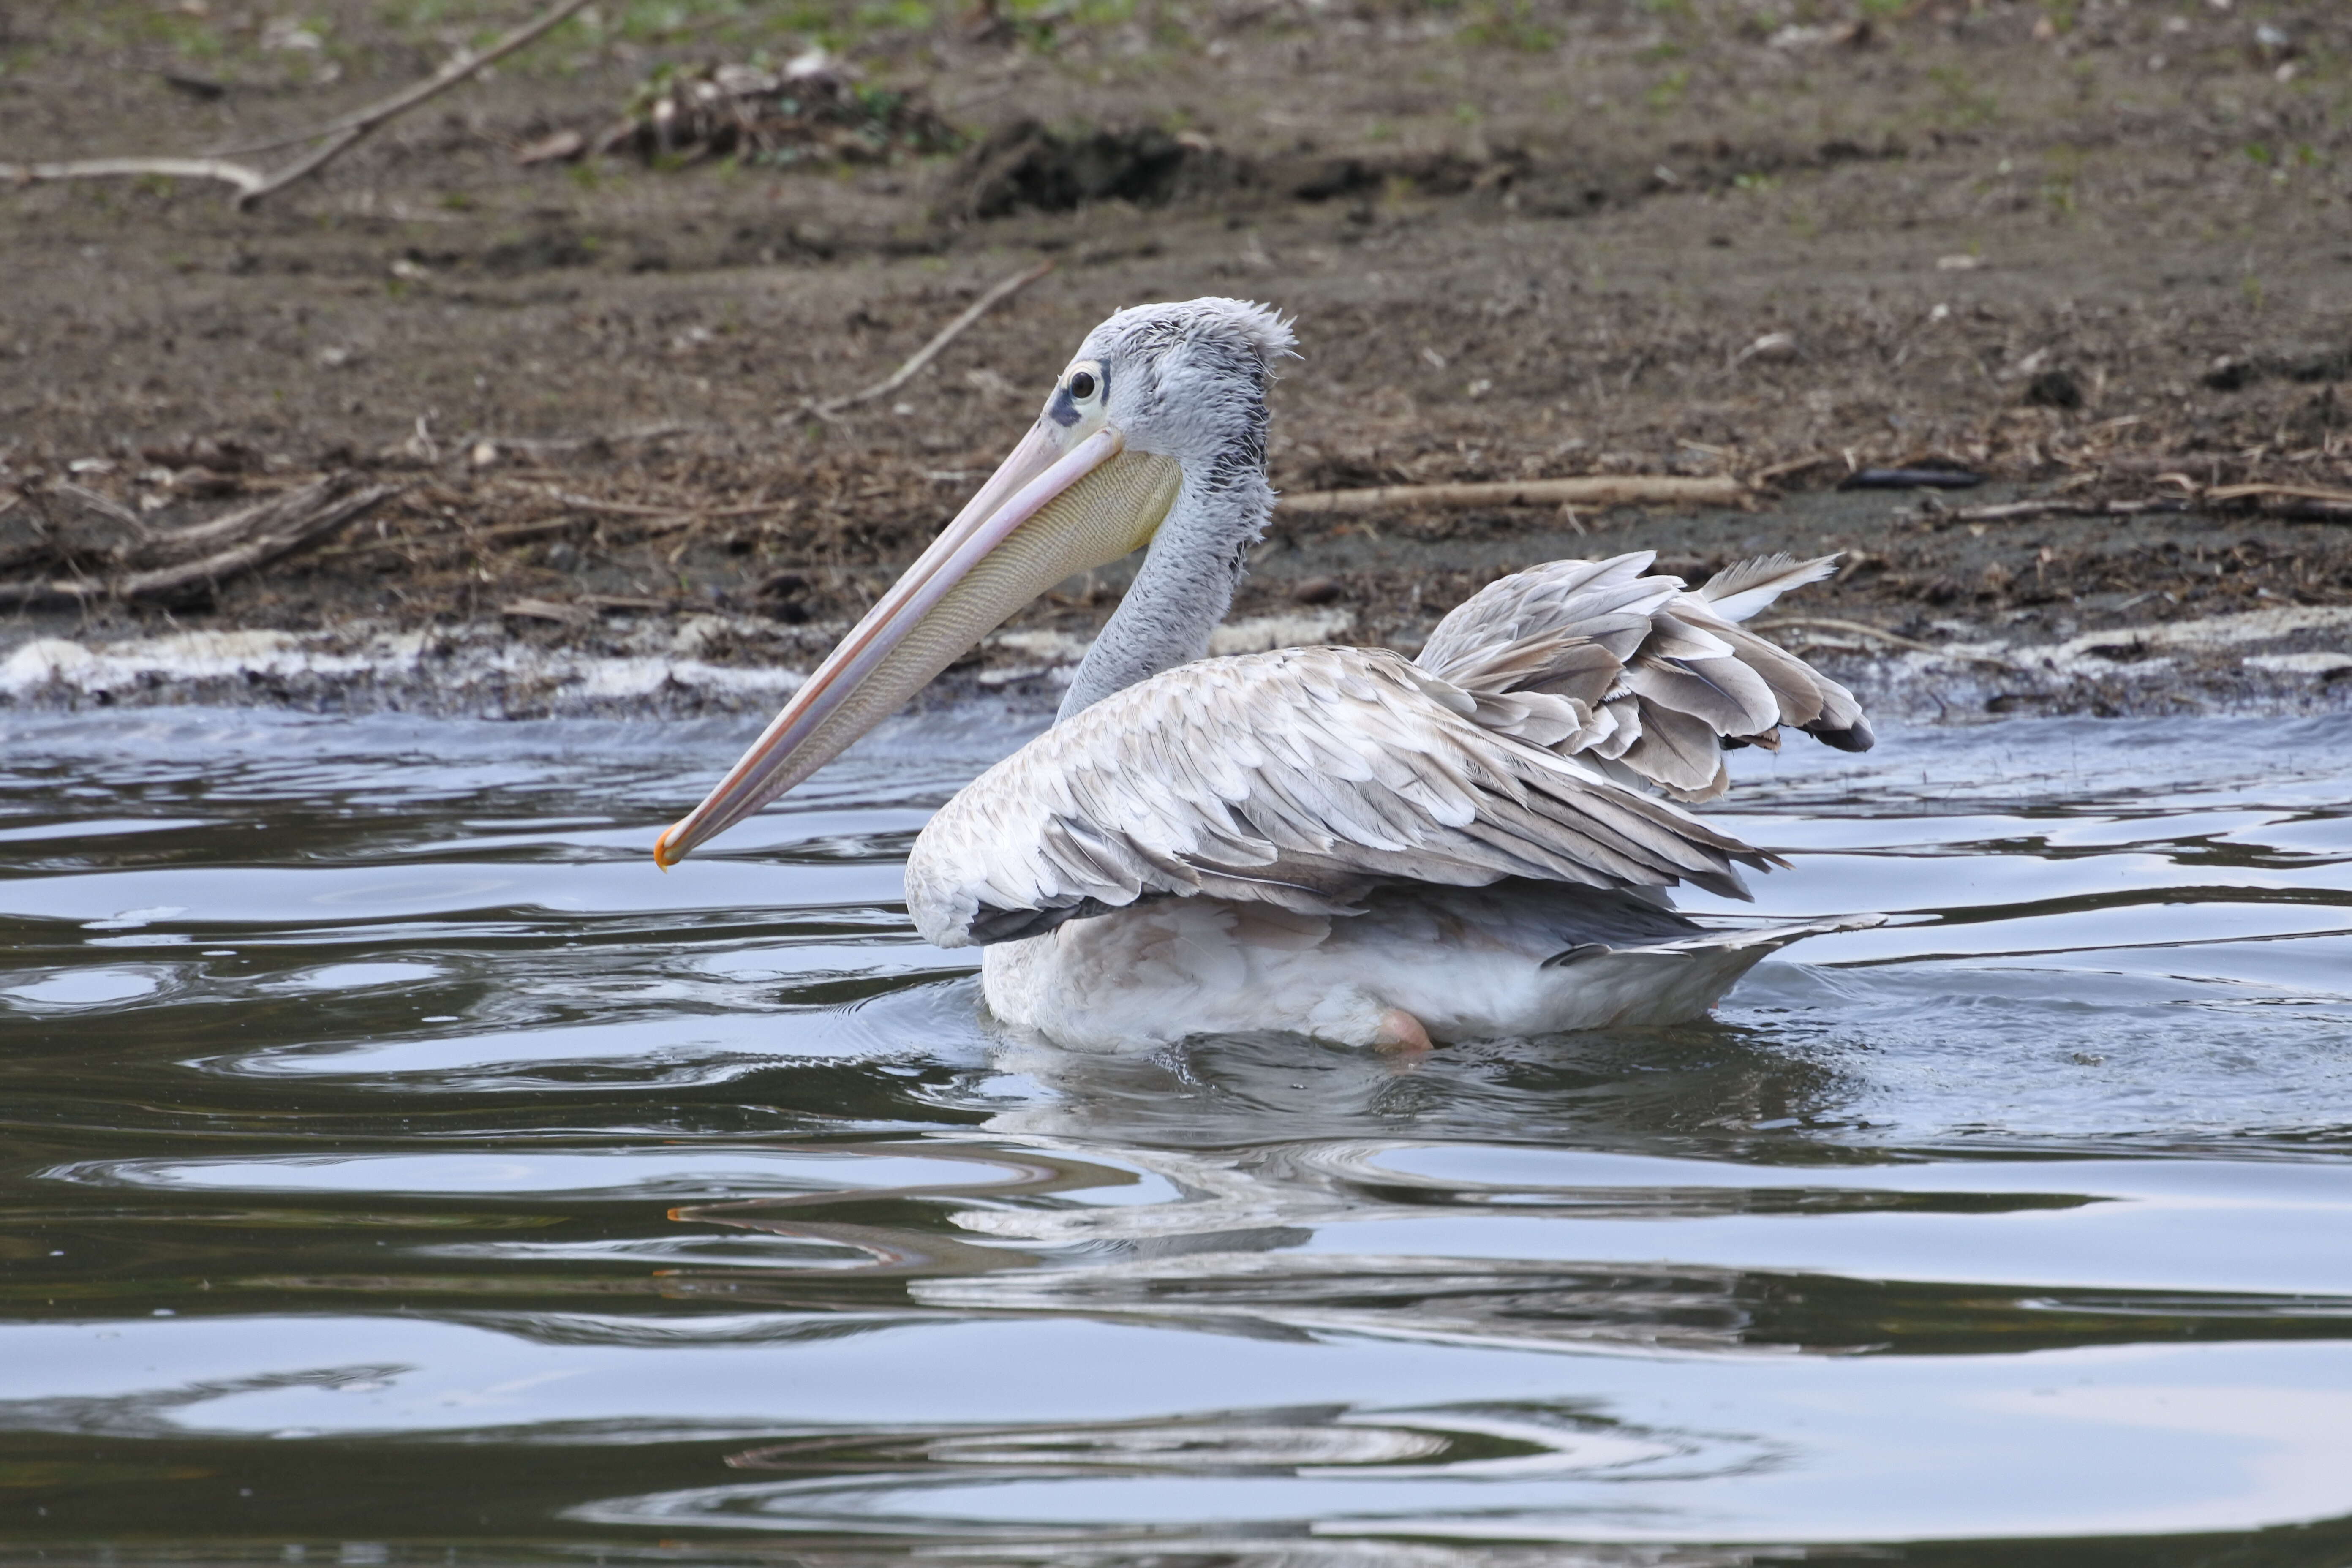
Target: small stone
(2054, 389)
(1316, 591)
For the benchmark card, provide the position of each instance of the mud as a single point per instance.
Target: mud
(2096, 252)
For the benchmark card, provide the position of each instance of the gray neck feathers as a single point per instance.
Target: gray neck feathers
(1187, 581)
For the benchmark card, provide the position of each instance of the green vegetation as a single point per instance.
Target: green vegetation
(1963, 102)
(1507, 24)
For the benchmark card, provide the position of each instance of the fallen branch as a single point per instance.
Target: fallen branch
(296, 521)
(1594, 489)
(261, 517)
(545, 610)
(336, 137)
(2283, 492)
(656, 520)
(1877, 633)
(1778, 471)
(506, 533)
(104, 506)
(534, 445)
(639, 509)
(2019, 510)
(247, 181)
(1004, 291)
(585, 608)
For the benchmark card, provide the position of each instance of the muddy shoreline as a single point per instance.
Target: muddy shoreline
(2052, 614)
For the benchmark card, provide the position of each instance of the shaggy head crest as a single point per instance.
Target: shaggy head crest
(1188, 379)
(1232, 329)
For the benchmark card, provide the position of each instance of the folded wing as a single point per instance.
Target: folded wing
(1305, 777)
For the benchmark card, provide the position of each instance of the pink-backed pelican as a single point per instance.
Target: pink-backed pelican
(1339, 841)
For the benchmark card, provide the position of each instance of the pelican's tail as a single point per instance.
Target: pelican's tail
(1759, 940)
(1595, 986)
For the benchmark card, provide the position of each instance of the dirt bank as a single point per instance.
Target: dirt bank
(2093, 251)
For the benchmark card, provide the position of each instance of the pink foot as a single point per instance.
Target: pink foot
(1400, 1032)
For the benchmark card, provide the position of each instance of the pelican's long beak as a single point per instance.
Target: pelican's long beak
(1047, 512)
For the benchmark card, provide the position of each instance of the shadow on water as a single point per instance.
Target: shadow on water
(395, 1168)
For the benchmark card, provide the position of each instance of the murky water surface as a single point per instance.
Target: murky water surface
(397, 1168)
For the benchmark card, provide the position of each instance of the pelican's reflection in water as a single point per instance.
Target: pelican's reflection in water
(1183, 1191)
(1190, 1189)
(1270, 1156)
(1565, 1212)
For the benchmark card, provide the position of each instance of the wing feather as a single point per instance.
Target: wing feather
(1745, 587)
(1679, 751)
(1644, 676)
(1732, 698)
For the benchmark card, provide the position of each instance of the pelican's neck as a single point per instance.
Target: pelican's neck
(1186, 583)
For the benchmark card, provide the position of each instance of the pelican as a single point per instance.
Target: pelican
(1376, 850)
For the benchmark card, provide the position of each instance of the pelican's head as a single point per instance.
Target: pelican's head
(1186, 381)
(1156, 395)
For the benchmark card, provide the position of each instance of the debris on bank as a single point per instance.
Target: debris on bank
(648, 665)
(810, 109)
(63, 543)
(2288, 660)
(471, 671)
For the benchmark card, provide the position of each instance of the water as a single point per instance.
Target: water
(397, 1168)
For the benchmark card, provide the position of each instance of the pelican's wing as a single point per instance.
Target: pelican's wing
(1299, 778)
(1606, 661)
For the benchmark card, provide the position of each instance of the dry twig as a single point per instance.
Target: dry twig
(584, 608)
(1594, 490)
(654, 521)
(2282, 492)
(1778, 471)
(536, 445)
(105, 506)
(1876, 633)
(545, 610)
(335, 137)
(2021, 511)
(1004, 291)
(673, 512)
(249, 182)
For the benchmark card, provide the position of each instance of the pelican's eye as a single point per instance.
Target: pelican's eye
(1080, 395)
